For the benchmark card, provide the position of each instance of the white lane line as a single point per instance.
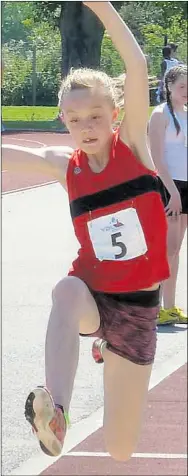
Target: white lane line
(134, 455)
(28, 140)
(84, 428)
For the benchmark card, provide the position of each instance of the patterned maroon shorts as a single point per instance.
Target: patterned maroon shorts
(128, 324)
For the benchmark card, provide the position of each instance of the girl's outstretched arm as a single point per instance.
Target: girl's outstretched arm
(47, 160)
(136, 83)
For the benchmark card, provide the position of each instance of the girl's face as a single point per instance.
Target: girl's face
(179, 90)
(89, 116)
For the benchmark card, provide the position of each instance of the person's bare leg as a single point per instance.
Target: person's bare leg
(125, 392)
(169, 287)
(74, 310)
(176, 232)
(173, 238)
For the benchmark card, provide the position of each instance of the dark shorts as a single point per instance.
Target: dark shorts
(182, 186)
(128, 324)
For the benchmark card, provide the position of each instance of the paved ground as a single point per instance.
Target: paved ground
(38, 246)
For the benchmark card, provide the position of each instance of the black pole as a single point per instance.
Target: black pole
(34, 76)
(165, 39)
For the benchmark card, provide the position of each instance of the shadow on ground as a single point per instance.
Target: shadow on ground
(171, 329)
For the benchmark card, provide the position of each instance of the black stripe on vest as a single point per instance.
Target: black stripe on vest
(117, 194)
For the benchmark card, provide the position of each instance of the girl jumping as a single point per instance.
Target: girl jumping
(112, 289)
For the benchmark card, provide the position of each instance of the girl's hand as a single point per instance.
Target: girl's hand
(174, 206)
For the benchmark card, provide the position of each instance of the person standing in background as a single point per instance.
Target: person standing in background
(168, 143)
(174, 48)
(168, 62)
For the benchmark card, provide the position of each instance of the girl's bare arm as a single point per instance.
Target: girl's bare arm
(47, 160)
(133, 129)
(157, 128)
(136, 82)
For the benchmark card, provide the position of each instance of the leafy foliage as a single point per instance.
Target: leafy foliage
(150, 22)
(26, 25)
(17, 20)
(111, 61)
(18, 71)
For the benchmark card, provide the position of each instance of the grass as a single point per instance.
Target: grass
(33, 117)
(35, 125)
(29, 113)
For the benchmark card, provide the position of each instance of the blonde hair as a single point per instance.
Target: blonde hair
(86, 78)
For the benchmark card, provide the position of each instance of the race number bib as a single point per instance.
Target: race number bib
(118, 236)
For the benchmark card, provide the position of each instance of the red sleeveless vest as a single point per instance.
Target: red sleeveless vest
(119, 221)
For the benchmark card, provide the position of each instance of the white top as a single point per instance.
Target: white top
(175, 147)
(170, 63)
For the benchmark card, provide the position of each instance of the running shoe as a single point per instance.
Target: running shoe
(48, 421)
(167, 316)
(181, 316)
(97, 349)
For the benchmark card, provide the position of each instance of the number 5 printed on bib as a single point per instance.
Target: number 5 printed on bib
(118, 236)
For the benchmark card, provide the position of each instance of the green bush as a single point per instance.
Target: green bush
(111, 61)
(19, 64)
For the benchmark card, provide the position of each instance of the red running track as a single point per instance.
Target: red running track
(164, 432)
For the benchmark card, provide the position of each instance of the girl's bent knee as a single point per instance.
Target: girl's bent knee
(120, 449)
(68, 288)
(120, 454)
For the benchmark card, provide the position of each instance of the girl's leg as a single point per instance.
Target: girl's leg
(176, 232)
(184, 224)
(173, 238)
(74, 310)
(125, 391)
(169, 290)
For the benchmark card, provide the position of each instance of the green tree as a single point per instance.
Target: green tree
(81, 32)
(167, 10)
(152, 23)
(140, 14)
(111, 61)
(19, 78)
(17, 20)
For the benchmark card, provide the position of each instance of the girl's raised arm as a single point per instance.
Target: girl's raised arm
(136, 83)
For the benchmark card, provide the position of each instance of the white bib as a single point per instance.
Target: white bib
(118, 236)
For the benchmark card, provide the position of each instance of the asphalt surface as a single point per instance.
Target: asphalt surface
(38, 246)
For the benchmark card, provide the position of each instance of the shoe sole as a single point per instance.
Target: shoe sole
(167, 323)
(182, 322)
(39, 412)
